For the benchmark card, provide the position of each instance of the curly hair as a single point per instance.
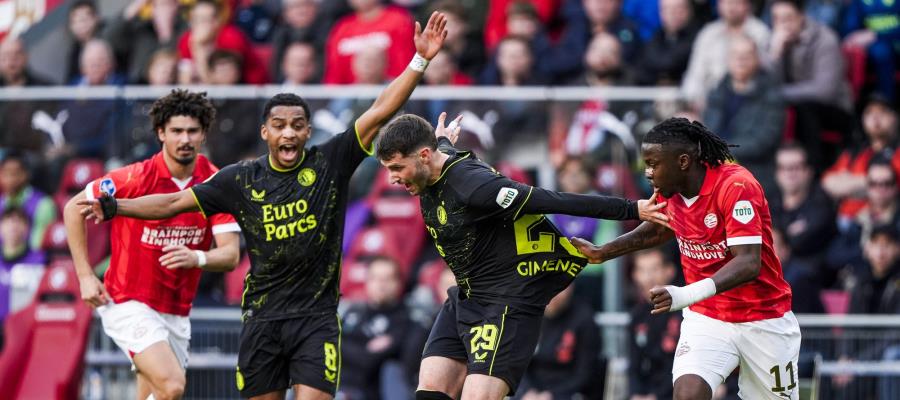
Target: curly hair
(181, 102)
(710, 148)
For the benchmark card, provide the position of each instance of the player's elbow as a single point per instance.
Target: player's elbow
(752, 265)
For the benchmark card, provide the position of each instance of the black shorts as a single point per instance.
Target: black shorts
(275, 355)
(493, 339)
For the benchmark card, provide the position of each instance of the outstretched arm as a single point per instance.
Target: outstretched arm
(645, 236)
(428, 43)
(543, 201)
(155, 206)
(223, 258)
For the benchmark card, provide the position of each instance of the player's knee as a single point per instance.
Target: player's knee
(171, 389)
(691, 387)
(431, 395)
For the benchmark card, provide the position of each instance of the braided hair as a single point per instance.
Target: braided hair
(710, 148)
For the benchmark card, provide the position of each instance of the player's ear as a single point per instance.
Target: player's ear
(425, 154)
(264, 132)
(684, 161)
(161, 135)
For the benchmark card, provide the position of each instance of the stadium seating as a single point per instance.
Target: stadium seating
(57, 323)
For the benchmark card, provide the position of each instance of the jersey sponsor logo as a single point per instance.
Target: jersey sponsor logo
(257, 196)
(108, 186)
(172, 235)
(702, 251)
(743, 211)
(710, 220)
(442, 215)
(281, 221)
(306, 176)
(506, 196)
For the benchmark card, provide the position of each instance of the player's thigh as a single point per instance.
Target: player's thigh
(484, 387)
(262, 368)
(161, 368)
(304, 392)
(313, 346)
(769, 352)
(706, 348)
(442, 374)
(500, 340)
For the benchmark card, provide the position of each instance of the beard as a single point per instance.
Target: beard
(185, 160)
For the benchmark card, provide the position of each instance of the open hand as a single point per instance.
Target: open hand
(451, 132)
(429, 41)
(649, 211)
(178, 257)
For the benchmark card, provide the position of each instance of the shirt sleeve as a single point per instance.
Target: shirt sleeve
(740, 201)
(507, 199)
(223, 223)
(346, 151)
(218, 194)
(122, 183)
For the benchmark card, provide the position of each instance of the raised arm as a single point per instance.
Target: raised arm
(155, 206)
(645, 236)
(428, 43)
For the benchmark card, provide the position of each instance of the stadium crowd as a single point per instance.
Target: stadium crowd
(805, 89)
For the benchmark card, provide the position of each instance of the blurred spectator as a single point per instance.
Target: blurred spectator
(14, 231)
(875, 26)
(564, 365)
(299, 65)
(163, 68)
(224, 68)
(14, 65)
(805, 278)
(747, 109)
(653, 338)
(16, 192)
(513, 65)
(369, 66)
(880, 208)
(606, 16)
(136, 37)
(374, 332)
(98, 65)
(442, 70)
(254, 19)
(665, 56)
(603, 63)
(807, 58)
(803, 211)
(645, 14)
(83, 25)
(371, 26)
(845, 181)
(463, 43)
(496, 25)
(208, 33)
(705, 68)
(575, 176)
(301, 22)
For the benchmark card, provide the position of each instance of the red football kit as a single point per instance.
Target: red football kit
(730, 210)
(134, 270)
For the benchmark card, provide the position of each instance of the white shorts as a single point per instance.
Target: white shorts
(134, 327)
(766, 352)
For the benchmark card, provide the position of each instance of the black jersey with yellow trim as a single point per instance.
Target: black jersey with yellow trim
(292, 220)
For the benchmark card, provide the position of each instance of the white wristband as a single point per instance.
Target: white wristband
(690, 294)
(418, 63)
(201, 258)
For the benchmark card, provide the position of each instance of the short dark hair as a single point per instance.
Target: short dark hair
(797, 4)
(182, 102)
(709, 148)
(220, 55)
(405, 134)
(450, 7)
(523, 8)
(882, 160)
(15, 155)
(887, 230)
(15, 212)
(794, 146)
(83, 3)
(285, 99)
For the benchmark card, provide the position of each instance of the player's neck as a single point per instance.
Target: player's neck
(694, 182)
(177, 169)
(437, 166)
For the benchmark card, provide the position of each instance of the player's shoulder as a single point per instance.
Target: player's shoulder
(466, 169)
(733, 175)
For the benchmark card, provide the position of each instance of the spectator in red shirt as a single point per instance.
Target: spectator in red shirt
(208, 33)
(846, 179)
(372, 25)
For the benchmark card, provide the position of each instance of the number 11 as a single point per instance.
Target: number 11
(789, 368)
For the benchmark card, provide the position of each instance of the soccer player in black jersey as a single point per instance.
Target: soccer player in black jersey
(290, 204)
(509, 260)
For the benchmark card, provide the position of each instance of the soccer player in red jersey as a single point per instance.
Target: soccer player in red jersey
(146, 294)
(737, 305)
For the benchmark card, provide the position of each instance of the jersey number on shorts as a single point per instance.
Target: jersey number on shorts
(330, 362)
(545, 241)
(775, 370)
(483, 338)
